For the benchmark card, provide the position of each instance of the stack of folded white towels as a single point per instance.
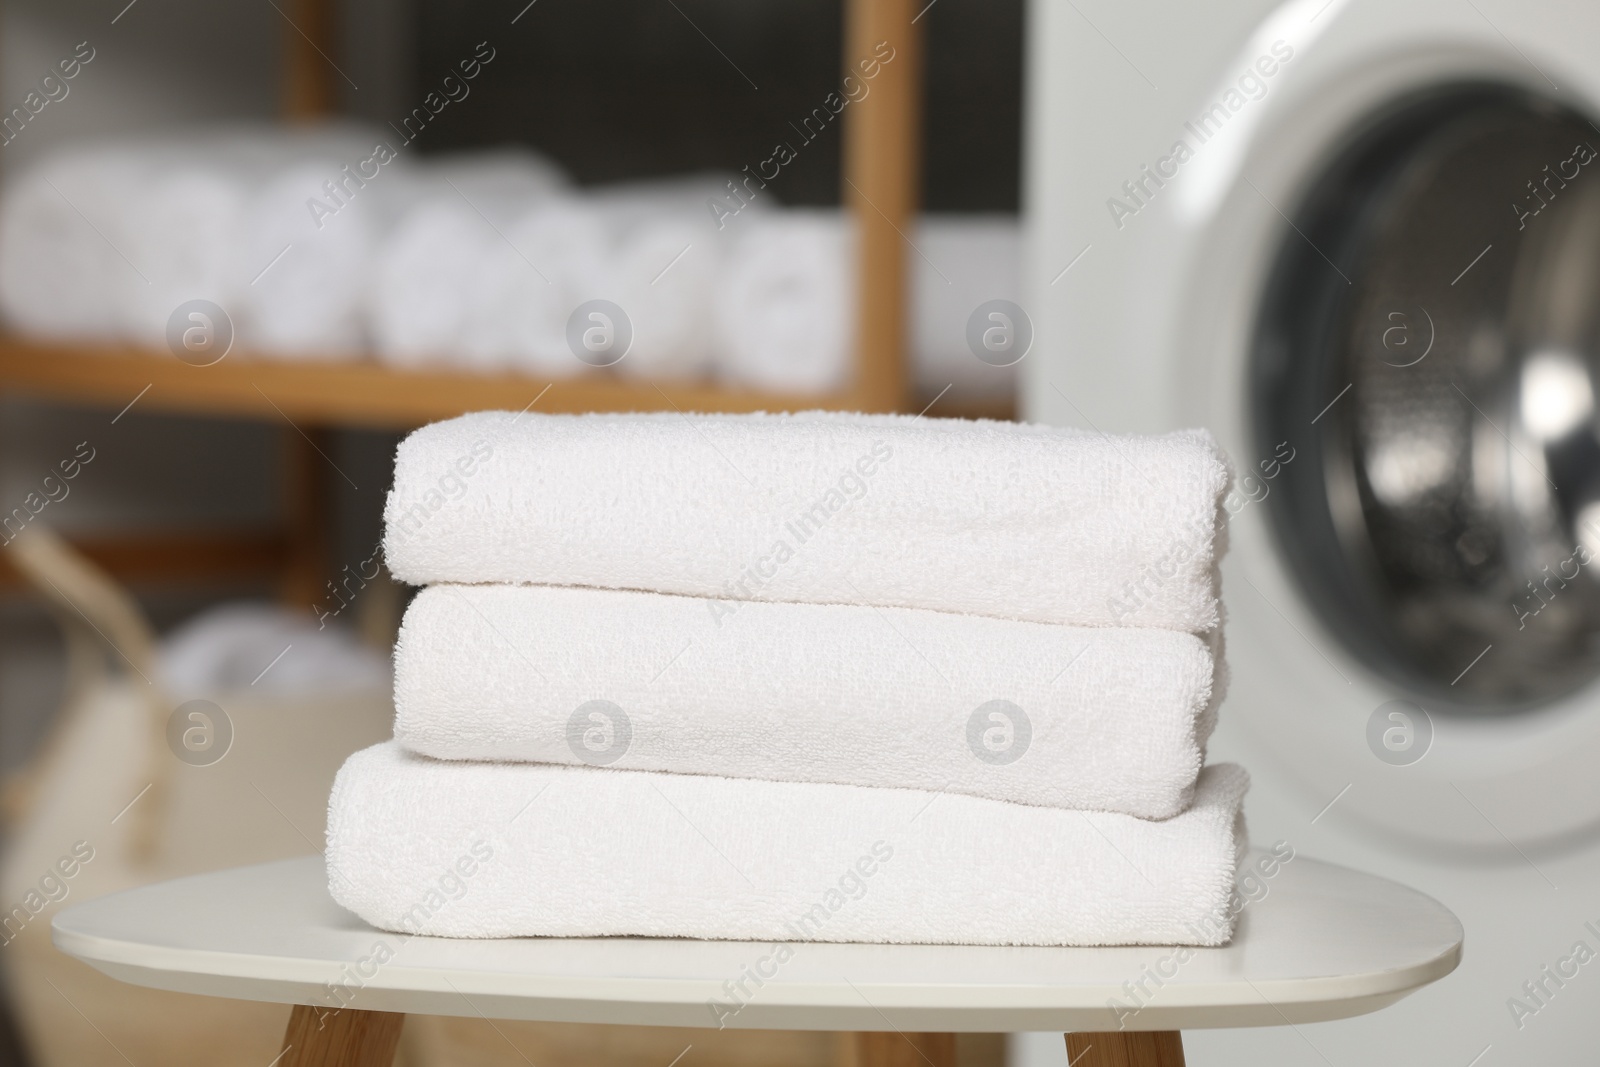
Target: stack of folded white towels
(799, 677)
(330, 242)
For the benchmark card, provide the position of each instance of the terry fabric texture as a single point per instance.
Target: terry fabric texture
(508, 850)
(1100, 719)
(986, 518)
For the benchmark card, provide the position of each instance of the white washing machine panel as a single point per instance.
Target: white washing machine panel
(1154, 324)
(1178, 156)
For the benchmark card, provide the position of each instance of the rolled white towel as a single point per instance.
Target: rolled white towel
(491, 177)
(301, 273)
(268, 648)
(513, 850)
(664, 274)
(678, 196)
(306, 254)
(183, 213)
(422, 285)
(529, 283)
(427, 268)
(784, 316)
(662, 266)
(988, 518)
(181, 218)
(106, 238)
(1067, 717)
(63, 255)
(266, 147)
(785, 313)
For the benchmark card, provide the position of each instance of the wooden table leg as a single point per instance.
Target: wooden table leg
(893, 1049)
(317, 1037)
(1154, 1048)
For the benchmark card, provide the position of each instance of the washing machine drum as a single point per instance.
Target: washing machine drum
(1430, 339)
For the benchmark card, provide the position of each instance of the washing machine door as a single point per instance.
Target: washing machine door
(1447, 524)
(1428, 336)
(1379, 286)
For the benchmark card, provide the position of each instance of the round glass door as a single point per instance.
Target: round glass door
(1430, 339)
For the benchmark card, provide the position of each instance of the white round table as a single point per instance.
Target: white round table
(1323, 943)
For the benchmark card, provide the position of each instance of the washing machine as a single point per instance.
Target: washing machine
(1359, 240)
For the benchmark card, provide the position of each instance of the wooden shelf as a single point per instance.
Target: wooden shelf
(881, 168)
(367, 393)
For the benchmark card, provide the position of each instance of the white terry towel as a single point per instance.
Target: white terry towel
(680, 197)
(181, 222)
(425, 273)
(107, 237)
(988, 518)
(643, 246)
(231, 646)
(784, 312)
(784, 316)
(181, 214)
(664, 272)
(503, 174)
(527, 285)
(510, 850)
(60, 222)
(422, 284)
(303, 273)
(1069, 717)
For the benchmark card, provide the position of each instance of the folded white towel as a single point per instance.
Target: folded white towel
(1069, 717)
(988, 518)
(508, 850)
(784, 318)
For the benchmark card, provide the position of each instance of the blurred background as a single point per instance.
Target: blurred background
(220, 533)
